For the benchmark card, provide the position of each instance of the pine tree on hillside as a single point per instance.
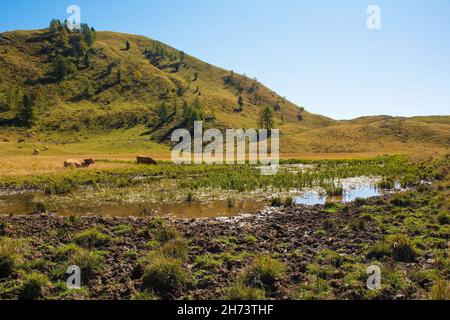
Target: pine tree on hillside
(25, 114)
(88, 34)
(266, 120)
(127, 45)
(241, 103)
(62, 67)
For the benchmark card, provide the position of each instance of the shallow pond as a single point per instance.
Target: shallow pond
(354, 188)
(24, 203)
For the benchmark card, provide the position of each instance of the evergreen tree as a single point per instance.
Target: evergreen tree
(127, 45)
(86, 61)
(55, 26)
(88, 34)
(25, 114)
(241, 103)
(266, 120)
(62, 67)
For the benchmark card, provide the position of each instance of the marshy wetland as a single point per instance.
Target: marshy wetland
(388, 211)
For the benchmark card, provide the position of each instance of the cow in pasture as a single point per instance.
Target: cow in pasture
(145, 160)
(78, 164)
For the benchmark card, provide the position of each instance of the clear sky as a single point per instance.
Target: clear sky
(319, 54)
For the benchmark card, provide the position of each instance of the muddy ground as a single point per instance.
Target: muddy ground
(295, 235)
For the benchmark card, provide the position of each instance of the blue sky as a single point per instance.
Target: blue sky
(319, 54)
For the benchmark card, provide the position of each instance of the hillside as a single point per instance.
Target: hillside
(117, 91)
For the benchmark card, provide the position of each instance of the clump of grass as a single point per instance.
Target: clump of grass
(386, 183)
(399, 247)
(440, 290)
(89, 262)
(39, 207)
(156, 223)
(121, 230)
(379, 250)
(402, 200)
(175, 249)
(163, 275)
(241, 292)
(276, 202)
(334, 190)
(165, 234)
(34, 287)
(11, 252)
(264, 272)
(144, 296)
(331, 257)
(91, 238)
(58, 188)
(313, 289)
(250, 238)
(288, 201)
(402, 249)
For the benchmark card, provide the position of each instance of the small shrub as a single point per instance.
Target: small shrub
(91, 238)
(164, 275)
(34, 287)
(176, 249)
(264, 272)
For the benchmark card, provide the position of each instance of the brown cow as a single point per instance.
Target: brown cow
(145, 160)
(78, 164)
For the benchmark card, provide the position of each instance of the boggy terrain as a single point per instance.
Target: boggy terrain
(285, 252)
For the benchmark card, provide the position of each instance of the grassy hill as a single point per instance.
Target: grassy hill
(110, 101)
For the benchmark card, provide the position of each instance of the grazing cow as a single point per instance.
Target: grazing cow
(21, 141)
(78, 164)
(145, 160)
